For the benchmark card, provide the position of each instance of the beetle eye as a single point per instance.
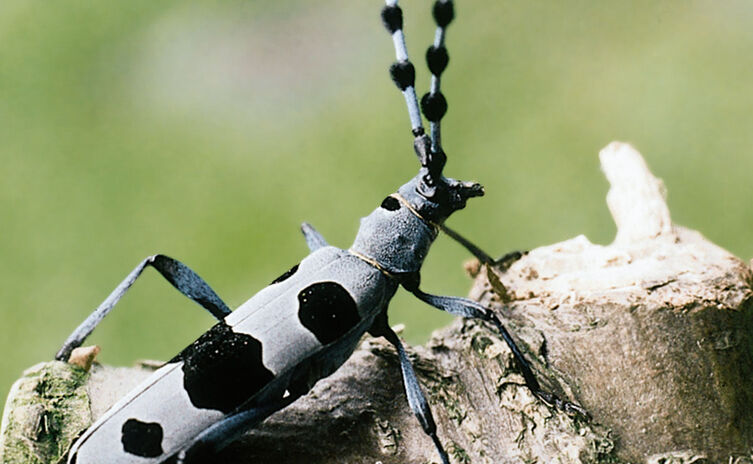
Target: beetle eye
(390, 204)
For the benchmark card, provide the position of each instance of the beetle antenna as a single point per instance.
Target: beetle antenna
(433, 103)
(402, 71)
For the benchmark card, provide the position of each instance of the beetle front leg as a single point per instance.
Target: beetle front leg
(503, 262)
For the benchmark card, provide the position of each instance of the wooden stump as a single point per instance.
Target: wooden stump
(651, 334)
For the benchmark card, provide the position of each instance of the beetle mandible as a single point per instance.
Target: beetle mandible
(302, 327)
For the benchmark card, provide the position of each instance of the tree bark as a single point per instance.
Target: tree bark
(651, 334)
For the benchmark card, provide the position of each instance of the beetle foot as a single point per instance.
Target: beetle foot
(567, 407)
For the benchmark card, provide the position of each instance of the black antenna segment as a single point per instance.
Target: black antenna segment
(433, 103)
(402, 71)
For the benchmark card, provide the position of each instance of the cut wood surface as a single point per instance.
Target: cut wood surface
(651, 334)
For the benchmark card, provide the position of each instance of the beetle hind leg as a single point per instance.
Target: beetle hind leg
(178, 274)
(211, 441)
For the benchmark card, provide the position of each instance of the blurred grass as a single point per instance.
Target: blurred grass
(210, 130)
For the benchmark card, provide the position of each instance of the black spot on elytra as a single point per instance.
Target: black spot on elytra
(390, 204)
(73, 459)
(327, 310)
(142, 438)
(285, 276)
(223, 369)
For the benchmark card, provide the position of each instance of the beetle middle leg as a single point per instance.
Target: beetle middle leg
(178, 274)
(416, 398)
(314, 239)
(471, 309)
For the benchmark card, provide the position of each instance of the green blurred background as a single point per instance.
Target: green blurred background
(209, 130)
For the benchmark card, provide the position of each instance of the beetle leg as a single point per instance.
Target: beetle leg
(211, 441)
(413, 392)
(471, 309)
(314, 239)
(181, 276)
(503, 262)
(475, 251)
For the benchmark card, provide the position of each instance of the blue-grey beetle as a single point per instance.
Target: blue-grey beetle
(273, 348)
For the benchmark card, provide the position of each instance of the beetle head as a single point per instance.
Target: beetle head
(434, 196)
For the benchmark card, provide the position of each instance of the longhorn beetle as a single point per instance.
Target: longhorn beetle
(302, 327)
